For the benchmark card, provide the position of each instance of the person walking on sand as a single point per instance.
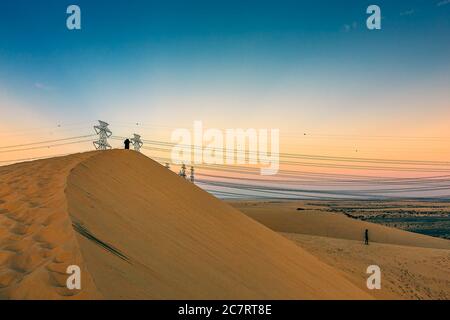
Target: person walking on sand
(366, 237)
(127, 143)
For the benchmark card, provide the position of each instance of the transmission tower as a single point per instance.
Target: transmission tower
(137, 142)
(103, 134)
(183, 171)
(192, 174)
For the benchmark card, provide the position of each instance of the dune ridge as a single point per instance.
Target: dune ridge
(37, 242)
(138, 230)
(313, 220)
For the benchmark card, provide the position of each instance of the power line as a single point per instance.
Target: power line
(46, 141)
(306, 156)
(305, 133)
(46, 146)
(327, 182)
(281, 172)
(345, 166)
(293, 191)
(295, 177)
(36, 158)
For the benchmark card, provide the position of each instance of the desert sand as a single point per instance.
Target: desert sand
(407, 272)
(313, 220)
(137, 230)
(413, 266)
(37, 241)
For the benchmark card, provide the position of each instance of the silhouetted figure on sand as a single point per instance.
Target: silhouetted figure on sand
(366, 237)
(127, 143)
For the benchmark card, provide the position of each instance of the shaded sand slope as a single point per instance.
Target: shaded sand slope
(406, 272)
(37, 242)
(284, 217)
(144, 232)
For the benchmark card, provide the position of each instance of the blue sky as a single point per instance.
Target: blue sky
(299, 66)
(140, 53)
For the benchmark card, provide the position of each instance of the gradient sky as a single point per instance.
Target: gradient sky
(300, 66)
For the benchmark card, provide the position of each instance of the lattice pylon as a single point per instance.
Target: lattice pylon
(103, 134)
(137, 142)
(192, 174)
(183, 171)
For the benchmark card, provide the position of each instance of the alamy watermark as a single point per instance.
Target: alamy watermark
(374, 20)
(73, 21)
(230, 146)
(374, 280)
(74, 279)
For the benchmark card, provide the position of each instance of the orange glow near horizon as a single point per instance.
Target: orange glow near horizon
(421, 136)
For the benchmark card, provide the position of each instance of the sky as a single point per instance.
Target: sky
(309, 68)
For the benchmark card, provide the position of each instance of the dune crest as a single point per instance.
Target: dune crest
(138, 230)
(313, 220)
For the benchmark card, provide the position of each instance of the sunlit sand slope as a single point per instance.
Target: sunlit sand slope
(284, 217)
(144, 232)
(406, 272)
(413, 266)
(37, 241)
(137, 230)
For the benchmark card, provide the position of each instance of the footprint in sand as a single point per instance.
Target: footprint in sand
(13, 216)
(58, 276)
(16, 245)
(22, 229)
(43, 243)
(32, 204)
(43, 183)
(5, 256)
(13, 182)
(7, 277)
(29, 261)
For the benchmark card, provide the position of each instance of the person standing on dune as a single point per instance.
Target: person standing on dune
(366, 237)
(127, 143)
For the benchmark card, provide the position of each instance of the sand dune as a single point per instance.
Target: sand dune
(413, 266)
(312, 220)
(406, 272)
(140, 231)
(37, 241)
